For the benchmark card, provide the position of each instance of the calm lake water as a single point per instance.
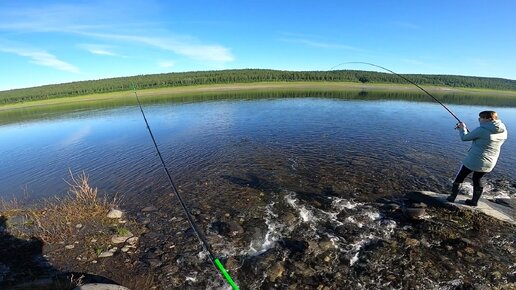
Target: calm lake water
(354, 144)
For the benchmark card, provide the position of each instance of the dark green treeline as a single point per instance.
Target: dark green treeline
(242, 76)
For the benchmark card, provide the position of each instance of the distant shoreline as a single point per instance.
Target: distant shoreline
(261, 86)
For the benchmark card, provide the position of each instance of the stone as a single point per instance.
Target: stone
(78, 226)
(100, 286)
(275, 272)
(132, 241)
(326, 244)
(69, 247)
(391, 206)
(469, 250)
(149, 209)
(125, 249)
(121, 239)
(415, 213)
(154, 262)
(114, 214)
(412, 242)
(235, 228)
(106, 254)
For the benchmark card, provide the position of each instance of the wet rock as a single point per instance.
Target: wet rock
(294, 246)
(414, 213)
(235, 228)
(115, 214)
(289, 218)
(195, 211)
(154, 262)
(326, 244)
(221, 228)
(469, 250)
(412, 242)
(391, 206)
(276, 271)
(418, 205)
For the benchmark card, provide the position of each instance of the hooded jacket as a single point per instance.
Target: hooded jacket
(487, 141)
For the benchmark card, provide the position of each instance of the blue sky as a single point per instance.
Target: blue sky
(46, 42)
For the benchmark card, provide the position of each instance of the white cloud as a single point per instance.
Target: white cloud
(98, 49)
(166, 63)
(43, 58)
(76, 20)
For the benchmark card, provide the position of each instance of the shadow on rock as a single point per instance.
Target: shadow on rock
(23, 266)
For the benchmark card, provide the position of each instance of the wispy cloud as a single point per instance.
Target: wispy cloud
(318, 44)
(41, 57)
(98, 49)
(166, 63)
(76, 20)
(185, 46)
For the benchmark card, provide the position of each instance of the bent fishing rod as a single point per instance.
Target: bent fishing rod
(406, 79)
(202, 239)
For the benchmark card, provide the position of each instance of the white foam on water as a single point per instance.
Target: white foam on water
(192, 278)
(306, 215)
(273, 234)
(352, 220)
(373, 215)
(341, 203)
(356, 247)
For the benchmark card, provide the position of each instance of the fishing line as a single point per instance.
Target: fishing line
(206, 246)
(408, 80)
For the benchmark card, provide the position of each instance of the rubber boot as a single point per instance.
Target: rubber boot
(477, 192)
(454, 192)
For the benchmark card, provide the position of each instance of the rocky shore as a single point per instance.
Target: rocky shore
(289, 241)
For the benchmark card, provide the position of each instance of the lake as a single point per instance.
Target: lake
(296, 174)
(361, 144)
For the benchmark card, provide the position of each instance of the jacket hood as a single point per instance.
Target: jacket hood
(495, 126)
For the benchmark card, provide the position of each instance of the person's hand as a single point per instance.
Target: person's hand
(460, 125)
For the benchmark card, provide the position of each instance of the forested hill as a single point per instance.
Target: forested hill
(243, 76)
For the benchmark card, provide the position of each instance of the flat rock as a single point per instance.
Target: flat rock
(100, 286)
(488, 207)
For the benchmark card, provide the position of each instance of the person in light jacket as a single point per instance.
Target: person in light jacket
(483, 154)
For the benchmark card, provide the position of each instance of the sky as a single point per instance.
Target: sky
(47, 42)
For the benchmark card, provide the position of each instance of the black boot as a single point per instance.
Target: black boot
(477, 192)
(454, 192)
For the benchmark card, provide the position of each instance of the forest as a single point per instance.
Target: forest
(243, 76)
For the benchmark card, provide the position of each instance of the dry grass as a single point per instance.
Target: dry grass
(58, 218)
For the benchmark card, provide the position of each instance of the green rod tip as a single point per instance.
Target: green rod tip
(225, 274)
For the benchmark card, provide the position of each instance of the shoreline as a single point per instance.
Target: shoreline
(175, 92)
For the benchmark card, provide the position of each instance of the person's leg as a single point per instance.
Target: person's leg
(461, 175)
(478, 188)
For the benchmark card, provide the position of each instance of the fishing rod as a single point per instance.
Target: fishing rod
(408, 80)
(202, 239)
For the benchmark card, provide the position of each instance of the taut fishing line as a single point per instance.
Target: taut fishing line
(401, 76)
(202, 240)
